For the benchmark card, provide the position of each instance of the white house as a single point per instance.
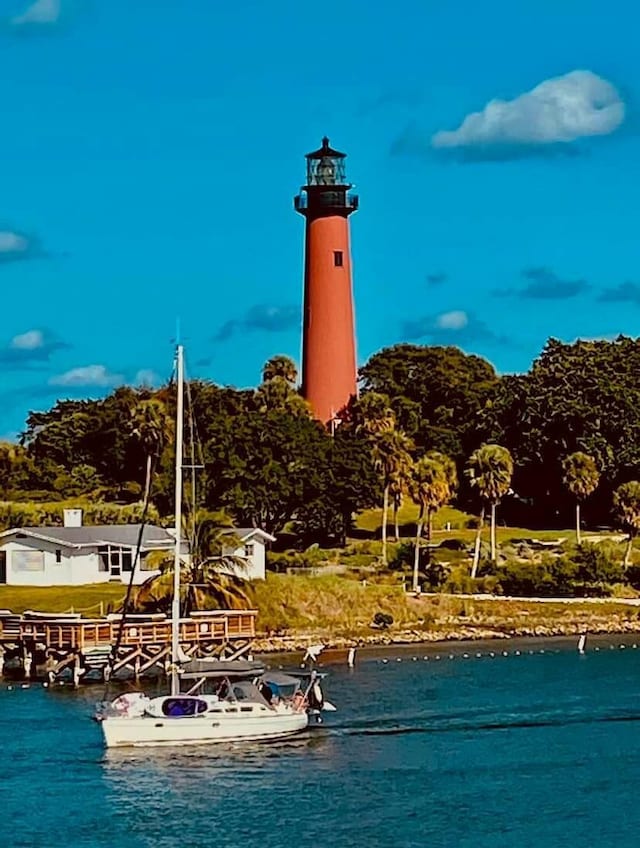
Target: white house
(76, 555)
(251, 548)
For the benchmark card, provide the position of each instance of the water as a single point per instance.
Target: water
(533, 750)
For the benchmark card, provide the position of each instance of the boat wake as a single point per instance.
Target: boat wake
(453, 724)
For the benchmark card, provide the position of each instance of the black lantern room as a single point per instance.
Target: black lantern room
(327, 189)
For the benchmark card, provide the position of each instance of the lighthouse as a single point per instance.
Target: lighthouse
(328, 344)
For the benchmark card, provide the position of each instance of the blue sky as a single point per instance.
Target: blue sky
(151, 150)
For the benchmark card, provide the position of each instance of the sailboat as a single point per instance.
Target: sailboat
(247, 703)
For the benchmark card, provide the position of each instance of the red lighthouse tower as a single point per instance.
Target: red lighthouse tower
(328, 348)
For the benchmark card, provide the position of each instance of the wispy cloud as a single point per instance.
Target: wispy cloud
(146, 377)
(87, 376)
(404, 98)
(39, 13)
(624, 293)
(31, 348)
(412, 141)
(553, 115)
(16, 246)
(545, 284)
(260, 318)
(457, 327)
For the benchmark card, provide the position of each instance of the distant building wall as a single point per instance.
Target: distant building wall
(252, 552)
(35, 562)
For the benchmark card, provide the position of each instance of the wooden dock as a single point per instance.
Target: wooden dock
(83, 646)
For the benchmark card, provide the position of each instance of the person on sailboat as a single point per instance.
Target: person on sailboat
(266, 691)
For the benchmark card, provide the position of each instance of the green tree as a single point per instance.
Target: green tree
(581, 477)
(391, 456)
(582, 397)
(282, 367)
(277, 394)
(371, 415)
(149, 427)
(626, 510)
(431, 487)
(209, 578)
(397, 490)
(349, 483)
(435, 392)
(489, 470)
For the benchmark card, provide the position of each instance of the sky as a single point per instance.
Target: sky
(151, 150)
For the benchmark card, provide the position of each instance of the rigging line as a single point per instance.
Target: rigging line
(193, 465)
(113, 656)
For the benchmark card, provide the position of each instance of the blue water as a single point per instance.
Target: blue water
(533, 750)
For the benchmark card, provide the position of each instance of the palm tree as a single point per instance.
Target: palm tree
(397, 488)
(373, 415)
(210, 575)
(390, 452)
(626, 507)
(149, 426)
(489, 470)
(431, 488)
(581, 477)
(280, 366)
(278, 395)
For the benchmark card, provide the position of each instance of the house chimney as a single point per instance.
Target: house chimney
(72, 517)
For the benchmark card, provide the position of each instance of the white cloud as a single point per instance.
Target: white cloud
(86, 376)
(559, 110)
(455, 320)
(39, 12)
(31, 340)
(146, 377)
(13, 242)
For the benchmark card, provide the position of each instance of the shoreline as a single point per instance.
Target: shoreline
(298, 643)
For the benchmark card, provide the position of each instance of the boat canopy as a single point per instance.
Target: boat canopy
(237, 669)
(279, 678)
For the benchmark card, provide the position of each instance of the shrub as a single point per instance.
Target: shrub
(401, 557)
(382, 620)
(453, 545)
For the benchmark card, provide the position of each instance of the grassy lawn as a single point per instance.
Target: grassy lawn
(371, 521)
(84, 599)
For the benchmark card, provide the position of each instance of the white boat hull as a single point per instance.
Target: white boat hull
(147, 731)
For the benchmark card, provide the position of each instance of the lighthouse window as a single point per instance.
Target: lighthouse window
(337, 258)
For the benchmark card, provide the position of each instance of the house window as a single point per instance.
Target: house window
(248, 550)
(338, 260)
(27, 560)
(115, 559)
(58, 557)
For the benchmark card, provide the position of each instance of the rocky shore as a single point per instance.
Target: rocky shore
(620, 622)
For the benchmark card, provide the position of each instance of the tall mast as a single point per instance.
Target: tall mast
(175, 606)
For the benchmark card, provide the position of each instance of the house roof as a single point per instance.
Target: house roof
(244, 533)
(100, 534)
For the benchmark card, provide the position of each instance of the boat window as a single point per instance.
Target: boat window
(183, 706)
(231, 710)
(246, 709)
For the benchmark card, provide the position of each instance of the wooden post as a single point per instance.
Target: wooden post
(27, 662)
(76, 671)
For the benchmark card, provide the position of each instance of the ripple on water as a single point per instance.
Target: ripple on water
(531, 750)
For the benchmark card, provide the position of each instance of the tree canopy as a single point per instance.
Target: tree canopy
(266, 461)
